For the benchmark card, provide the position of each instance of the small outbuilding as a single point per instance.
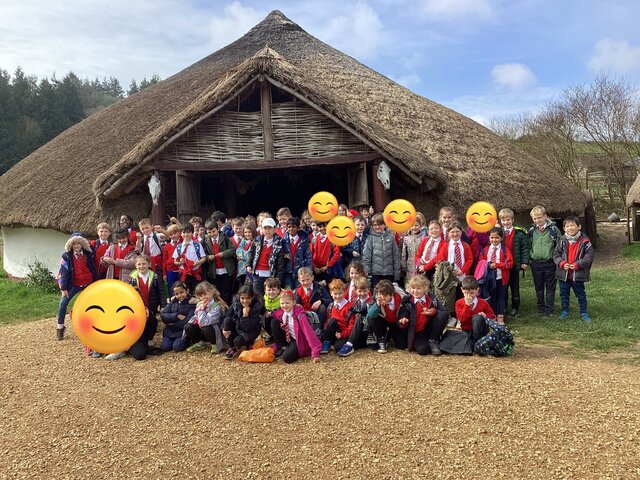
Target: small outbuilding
(262, 123)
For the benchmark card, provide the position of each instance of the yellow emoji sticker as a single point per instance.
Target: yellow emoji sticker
(341, 230)
(323, 206)
(399, 215)
(481, 217)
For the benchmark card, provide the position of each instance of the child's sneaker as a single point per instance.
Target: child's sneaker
(382, 347)
(563, 315)
(346, 350)
(371, 340)
(214, 348)
(326, 346)
(435, 348)
(585, 317)
(230, 354)
(279, 353)
(197, 347)
(96, 354)
(60, 333)
(514, 313)
(115, 356)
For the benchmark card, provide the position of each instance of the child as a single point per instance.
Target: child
(170, 269)
(410, 244)
(313, 297)
(356, 271)
(423, 317)
(77, 271)
(242, 253)
(456, 252)
(238, 231)
(305, 221)
(221, 259)
(120, 257)
(294, 337)
(266, 257)
(315, 231)
(221, 221)
(340, 320)
(189, 257)
(361, 335)
(446, 218)
(383, 317)
(149, 243)
(242, 321)
(99, 247)
(175, 316)
(353, 251)
(427, 253)
(499, 259)
(204, 326)
(381, 255)
(516, 240)
(471, 311)
(271, 304)
(197, 224)
(543, 236)
(573, 257)
(325, 256)
(296, 242)
(283, 215)
(365, 211)
(126, 222)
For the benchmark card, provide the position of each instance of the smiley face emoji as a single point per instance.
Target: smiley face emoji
(109, 316)
(399, 215)
(323, 206)
(481, 217)
(341, 230)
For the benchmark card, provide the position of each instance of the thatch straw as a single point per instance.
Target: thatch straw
(633, 196)
(458, 160)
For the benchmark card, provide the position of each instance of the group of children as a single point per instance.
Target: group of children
(285, 278)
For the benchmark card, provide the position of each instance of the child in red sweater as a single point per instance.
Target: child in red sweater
(498, 258)
(170, 270)
(383, 317)
(325, 256)
(471, 311)
(340, 320)
(99, 247)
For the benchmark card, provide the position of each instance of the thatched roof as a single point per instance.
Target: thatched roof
(633, 196)
(63, 184)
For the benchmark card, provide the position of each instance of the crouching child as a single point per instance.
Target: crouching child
(294, 337)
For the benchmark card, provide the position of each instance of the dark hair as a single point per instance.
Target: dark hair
(218, 216)
(246, 290)
(321, 224)
(457, 225)
(572, 218)
(122, 232)
(385, 287)
(497, 230)
(358, 265)
(469, 283)
(359, 218)
(187, 227)
(179, 284)
(293, 221)
(272, 282)
(210, 224)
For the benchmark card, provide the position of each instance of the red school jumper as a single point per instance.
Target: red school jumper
(343, 317)
(321, 251)
(464, 312)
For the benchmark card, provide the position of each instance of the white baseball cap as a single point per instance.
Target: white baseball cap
(268, 222)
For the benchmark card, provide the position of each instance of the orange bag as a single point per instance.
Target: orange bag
(258, 355)
(259, 343)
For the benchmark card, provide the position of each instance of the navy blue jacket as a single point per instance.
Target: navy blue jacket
(303, 253)
(355, 246)
(173, 327)
(65, 274)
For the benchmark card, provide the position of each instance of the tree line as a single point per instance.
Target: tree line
(590, 134)
(34, 111)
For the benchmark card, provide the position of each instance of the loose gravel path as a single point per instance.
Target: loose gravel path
(535, 415)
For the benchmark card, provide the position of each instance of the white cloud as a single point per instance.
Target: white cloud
(513, 75)
(232, 24)
(408, 81)
(616, 56)
(454, 9)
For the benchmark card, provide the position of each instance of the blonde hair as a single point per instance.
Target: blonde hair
(144, 221)
(421, 219)
(303, 271)
(283, 211)
(451, 210)
(205, 287)
(506, 213)
(538, 210)
(289, 294)
(418, 281)
(103, 226)
(173, 228)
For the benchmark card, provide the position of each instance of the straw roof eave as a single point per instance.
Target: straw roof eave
(633, 196)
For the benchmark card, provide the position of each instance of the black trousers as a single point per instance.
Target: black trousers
(479, 329)
(514, 287)
(236, 339)
(258, 285)
(498, 299)
(544, 280)
(433, 331)
(355, 337)
(194, 333)
(383, 329)
(223, 284)
(291, 353)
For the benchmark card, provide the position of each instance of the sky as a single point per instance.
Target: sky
(483, 58)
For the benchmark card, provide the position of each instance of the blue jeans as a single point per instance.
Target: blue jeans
(578, 290)
(177, 344)
(64, 301)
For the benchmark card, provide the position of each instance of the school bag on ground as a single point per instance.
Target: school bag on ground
(499, 342)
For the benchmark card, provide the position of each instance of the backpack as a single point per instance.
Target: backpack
(196, 245)
(498, 343)
(553, 231)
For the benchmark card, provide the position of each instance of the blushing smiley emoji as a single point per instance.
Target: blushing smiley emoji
(481, 217)
(399, 215)
(323, 206)
(109, 316)
(341, 230)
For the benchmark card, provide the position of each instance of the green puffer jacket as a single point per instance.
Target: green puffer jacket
(543, 243)
(520, 246)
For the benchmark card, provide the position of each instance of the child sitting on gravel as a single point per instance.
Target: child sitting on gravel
(294, 337)
(204, 325)
(175, 317)
(242, 322)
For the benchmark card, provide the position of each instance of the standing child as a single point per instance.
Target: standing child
(427, 253)
(410, 244)
(221, 259)
(499, 259)
(283, 215)
(242, 253)
(383, 317)
(381, 255)
(296, 242)
(205, 324)
(516, 240)
(573, 257)
(99, 247)
(293, 335)
(543, 236)
(196, 222)
(77, 271)
(170, 269)
(266, 257)
(120, 257)
(242, 321)
(353, 251)
(149, 243)
(271, 304)
(423, 317)
(325, 256)
(175, 317)
(189, 257)
(456, 252)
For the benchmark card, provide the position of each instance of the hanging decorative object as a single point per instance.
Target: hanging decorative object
(154, 188)
(384, 175)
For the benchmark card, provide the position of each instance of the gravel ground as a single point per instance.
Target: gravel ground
(535, 415)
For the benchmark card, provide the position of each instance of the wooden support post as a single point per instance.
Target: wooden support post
(157, 211)
(379, 194)
(267, 130)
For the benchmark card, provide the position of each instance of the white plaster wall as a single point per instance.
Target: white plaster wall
(23, 246)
